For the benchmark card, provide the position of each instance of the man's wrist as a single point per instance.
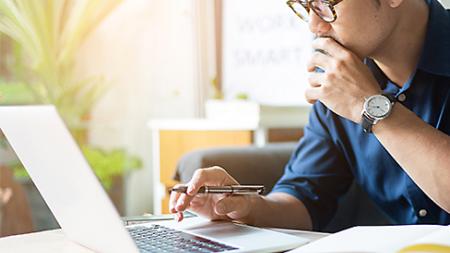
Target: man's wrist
(394, 120)
(358, 111)
(359, 107)
(376, 108)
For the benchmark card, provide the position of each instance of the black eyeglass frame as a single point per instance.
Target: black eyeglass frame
(307, 5)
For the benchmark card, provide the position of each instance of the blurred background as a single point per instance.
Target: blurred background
(140, 83)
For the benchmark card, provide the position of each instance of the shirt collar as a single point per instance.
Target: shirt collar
(435, 58)
(377, 73)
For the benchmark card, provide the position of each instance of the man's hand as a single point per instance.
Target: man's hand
(212, 206)
(345, 82)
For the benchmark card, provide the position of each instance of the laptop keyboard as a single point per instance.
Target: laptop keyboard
(157, 238)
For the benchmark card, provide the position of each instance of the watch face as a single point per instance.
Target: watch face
(378, 106)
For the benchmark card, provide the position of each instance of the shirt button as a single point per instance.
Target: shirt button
(402, 97)
(423, 212)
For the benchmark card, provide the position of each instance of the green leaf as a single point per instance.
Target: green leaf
(108, 164)
(51, 32)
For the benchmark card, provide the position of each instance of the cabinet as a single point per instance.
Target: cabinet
(174, 138)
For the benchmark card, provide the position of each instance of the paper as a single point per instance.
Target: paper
(381, 239)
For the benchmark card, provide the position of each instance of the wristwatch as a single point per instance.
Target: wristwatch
(376, 108)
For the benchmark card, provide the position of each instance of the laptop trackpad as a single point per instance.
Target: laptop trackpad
(221, 230)
(240, 236)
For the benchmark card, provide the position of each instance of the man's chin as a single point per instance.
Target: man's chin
(354, 49)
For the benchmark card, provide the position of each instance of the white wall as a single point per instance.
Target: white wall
(146, 51)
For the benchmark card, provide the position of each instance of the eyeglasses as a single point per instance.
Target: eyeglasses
(322, 8)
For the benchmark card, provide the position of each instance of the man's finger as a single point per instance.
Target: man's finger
(199, 199)
(316, 79)
(318, 60)
(173, 200)
(183, 202)
(313, 94)
(230, 204)
(196, 203)
(329, 46)
(200, 177)
(179, 216)
(209, 176)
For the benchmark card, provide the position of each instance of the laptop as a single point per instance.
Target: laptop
(86, 215)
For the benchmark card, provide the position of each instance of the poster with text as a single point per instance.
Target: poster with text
(265, 50)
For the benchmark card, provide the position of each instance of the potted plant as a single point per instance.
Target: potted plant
(46, 37)
(50, 33)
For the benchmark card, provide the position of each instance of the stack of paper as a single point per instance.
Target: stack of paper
(402, 239)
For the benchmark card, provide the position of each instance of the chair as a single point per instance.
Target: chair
(253, 165)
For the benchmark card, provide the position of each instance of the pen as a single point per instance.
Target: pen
(230, 189)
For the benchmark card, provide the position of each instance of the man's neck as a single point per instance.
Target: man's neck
(400, 53)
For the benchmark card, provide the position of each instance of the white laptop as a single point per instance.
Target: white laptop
(86, 215)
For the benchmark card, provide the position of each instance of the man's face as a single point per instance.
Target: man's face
(361, 25)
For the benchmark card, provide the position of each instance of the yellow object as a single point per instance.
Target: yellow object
(400, 239)
(431, 248)
(174, 144)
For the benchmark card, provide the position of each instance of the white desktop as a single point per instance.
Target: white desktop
(82, 208)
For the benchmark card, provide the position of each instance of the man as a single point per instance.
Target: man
(391, 60)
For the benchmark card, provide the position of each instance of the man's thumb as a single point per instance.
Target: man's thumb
(230, 204)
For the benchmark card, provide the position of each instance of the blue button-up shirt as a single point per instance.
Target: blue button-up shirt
(335, 151)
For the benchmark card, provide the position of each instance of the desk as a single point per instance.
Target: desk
(55, 241)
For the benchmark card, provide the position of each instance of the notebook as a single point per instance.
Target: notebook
(402, 239)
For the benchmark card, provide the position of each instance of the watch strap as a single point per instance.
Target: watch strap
(390, 97)
(367, 123)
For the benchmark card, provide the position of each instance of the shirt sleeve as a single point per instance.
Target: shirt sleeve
(317, 173)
